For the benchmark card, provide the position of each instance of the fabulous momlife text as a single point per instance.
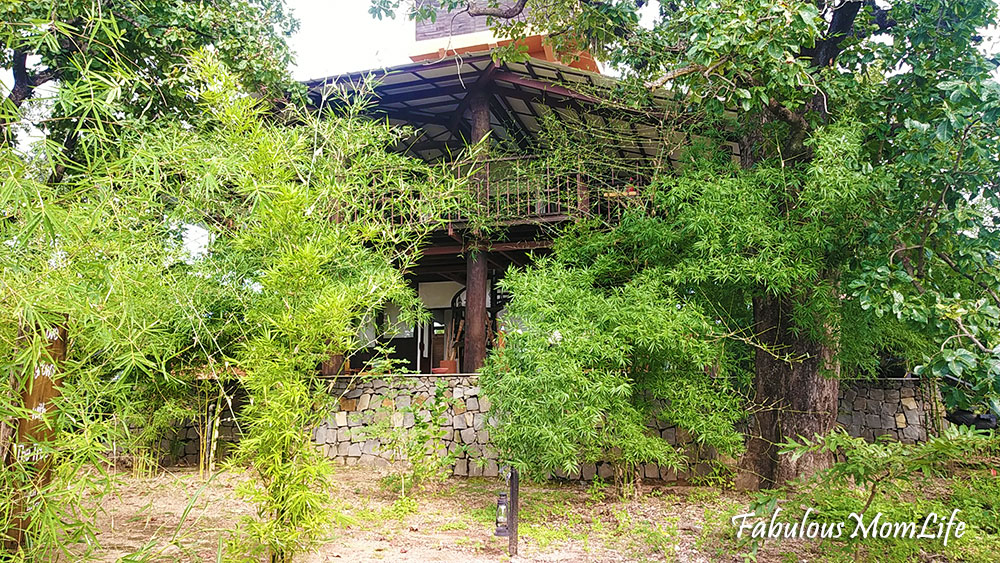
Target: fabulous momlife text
(932, 527)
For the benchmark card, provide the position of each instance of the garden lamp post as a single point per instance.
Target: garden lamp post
(507, 505)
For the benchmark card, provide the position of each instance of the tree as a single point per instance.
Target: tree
(868, 156)
(109, 61)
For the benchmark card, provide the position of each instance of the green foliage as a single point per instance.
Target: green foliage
(301, 245)
(884, 462)
(901, 483)
(865, 196)
(121, 60)
(596, 490)
(656, 307)
(584, 369)
(420, 446)
(401, 508)
(977, 497)
(60, 514)
(306, 287)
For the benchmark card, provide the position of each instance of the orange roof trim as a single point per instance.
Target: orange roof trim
(537, 49)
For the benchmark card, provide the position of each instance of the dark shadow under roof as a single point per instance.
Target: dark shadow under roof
(433, 97)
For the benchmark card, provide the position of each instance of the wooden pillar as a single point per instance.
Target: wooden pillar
(37, 389)
(477, 282)
(479, 115)
(476, 315)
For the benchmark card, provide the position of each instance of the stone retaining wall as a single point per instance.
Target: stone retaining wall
(900, 408)
(467, 424)
(867, 409)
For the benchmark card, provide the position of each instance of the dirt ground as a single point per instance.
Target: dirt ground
(176, 516)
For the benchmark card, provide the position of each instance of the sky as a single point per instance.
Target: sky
(338, 36)
(341, 36)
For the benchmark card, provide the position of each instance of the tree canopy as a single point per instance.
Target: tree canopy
(103, 63)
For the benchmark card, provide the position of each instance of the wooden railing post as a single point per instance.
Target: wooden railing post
(582, 196)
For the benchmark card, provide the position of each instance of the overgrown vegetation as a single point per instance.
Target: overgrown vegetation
(831, 206)
(890, 482)
(585, 367)
(211, 245)
(175, 223)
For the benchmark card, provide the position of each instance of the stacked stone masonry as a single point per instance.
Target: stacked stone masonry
(345, 438)
(867, 409)
(899, 408)
(179, 445)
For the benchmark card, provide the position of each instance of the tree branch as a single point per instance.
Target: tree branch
(842, 26)
(505, 12)
(44, 76)
(795, 145)
(675, 74)
(22, 79)
(882, 19)
(969, 335)
(20, 92)
(951, 263)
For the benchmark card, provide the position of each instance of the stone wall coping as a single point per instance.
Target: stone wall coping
(877, 379)
(391, 375)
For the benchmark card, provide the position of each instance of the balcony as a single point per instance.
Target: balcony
(518, 190)
(512, 191)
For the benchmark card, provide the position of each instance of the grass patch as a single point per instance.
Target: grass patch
(400, 508)
(453, 526)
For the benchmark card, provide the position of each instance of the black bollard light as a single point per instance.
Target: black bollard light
(507, 508)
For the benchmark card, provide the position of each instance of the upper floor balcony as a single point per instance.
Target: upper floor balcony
(553, 145)
(523, 110)
(515, 190)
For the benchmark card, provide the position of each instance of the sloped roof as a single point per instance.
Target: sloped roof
(433, 97)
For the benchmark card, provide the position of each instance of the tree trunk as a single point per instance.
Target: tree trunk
(796, 391)
(477, 274)
(40, 387)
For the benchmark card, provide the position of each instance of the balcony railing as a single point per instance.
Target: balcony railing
(522, 189)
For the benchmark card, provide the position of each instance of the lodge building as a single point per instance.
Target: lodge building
(455, 95)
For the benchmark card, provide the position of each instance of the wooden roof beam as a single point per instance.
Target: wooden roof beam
(457, 63)
(494, 247)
